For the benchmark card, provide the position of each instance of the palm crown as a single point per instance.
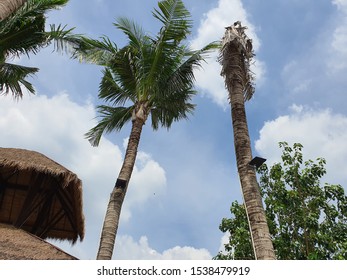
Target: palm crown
(150, 75)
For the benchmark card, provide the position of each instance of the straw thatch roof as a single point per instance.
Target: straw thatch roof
(39, 195)
(17, 244)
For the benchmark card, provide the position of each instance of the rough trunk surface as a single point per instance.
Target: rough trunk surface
(235, 73)
(110, 227)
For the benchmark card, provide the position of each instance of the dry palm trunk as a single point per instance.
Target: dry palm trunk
(110, 227)
(235, 68)
(7, 7)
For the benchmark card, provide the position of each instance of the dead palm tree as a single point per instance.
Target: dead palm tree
(235, 57)
(149, 79)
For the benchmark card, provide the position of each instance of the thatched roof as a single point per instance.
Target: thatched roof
(17, 244)
(39, 195)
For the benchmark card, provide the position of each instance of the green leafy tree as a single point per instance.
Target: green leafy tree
(23, 33)
(150, 78)
(306, 220)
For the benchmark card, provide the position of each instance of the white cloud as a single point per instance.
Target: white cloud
(341, 4)
(148, 182)
(322, 133)
(224, 240)
(129, 249)
(212, 28)
(339, 49)
(338, 52)
(323, 63)
(295, 76)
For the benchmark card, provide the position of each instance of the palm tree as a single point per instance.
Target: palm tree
(7, 7)
(235, 57)
(24, 33)
(150, 77)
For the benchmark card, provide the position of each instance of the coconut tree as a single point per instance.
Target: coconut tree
(7, 7)
(235, 57)
(24, 33)
(149, 79)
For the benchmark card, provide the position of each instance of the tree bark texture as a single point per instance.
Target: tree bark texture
(7, 7)
(110, 226)
(234, 72)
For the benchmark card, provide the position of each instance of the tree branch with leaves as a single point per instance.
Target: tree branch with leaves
(307, 219)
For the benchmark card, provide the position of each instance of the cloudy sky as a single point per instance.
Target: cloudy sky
(185, 179)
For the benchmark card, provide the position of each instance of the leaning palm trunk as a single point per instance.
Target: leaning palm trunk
(111, 221)
(152, 76)
(7, 7)
(235, 56)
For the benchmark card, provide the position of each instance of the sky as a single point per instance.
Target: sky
(185, 179)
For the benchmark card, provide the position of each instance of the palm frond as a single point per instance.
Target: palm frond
(112, 92)
(183, 75)
(25, 30)
(24, 33)
(99, 52)
(13, 77)
(30, 9)
(25, 37)
(133, 31)
(176, 20)
(174, 108)
(139, 55)
(173, 101)
(63, 38)
(111, 118)
(176, 27)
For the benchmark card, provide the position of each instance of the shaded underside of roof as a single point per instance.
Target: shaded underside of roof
(39, 195)
(17, 244)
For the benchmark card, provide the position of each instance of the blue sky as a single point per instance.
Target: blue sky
(185, 178)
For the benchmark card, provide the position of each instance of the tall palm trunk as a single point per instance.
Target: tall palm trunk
(110, 227)
(7, 7)
(234, 60)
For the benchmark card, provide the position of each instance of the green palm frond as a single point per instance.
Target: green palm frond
(183, 75)
(111, 118)
(128, 71)
(176, 27)
(133, 31)
(33, 7)
(172, 102)
(63, 38)
(29, 10)
(99, 52)
(176, 21)
(175, 107)
(25, 37)
(111, 91)
(31, 37)
(139, 54)
(24, 33)
(13, 77)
